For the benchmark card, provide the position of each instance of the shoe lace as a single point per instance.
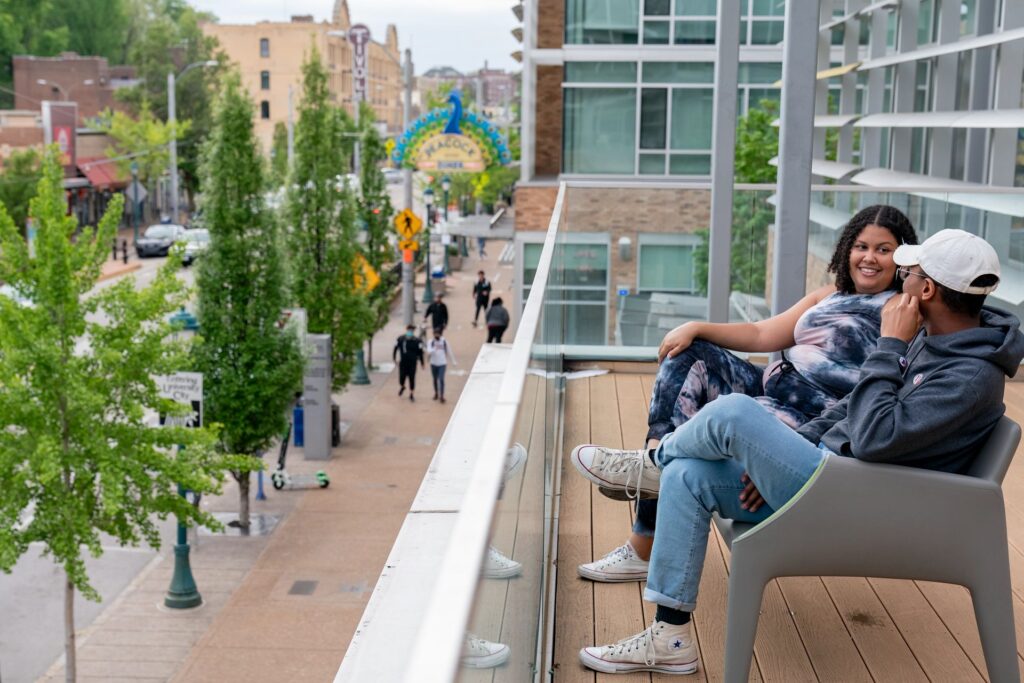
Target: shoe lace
(617, 555)
(643, 640)
(630, 463)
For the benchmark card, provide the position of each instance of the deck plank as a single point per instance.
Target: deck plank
(574, 599)
(617, 610)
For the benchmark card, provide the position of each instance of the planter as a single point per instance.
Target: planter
(454, 261)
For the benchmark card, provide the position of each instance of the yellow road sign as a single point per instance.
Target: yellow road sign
(409, 244)
(366, 278)
(408, 224)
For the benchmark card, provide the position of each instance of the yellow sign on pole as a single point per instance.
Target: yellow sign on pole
(366, 278)
(409, 244)
(408, 224)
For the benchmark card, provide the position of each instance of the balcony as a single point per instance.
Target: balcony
(581, 369)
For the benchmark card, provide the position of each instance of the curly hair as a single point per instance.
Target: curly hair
(882, 215)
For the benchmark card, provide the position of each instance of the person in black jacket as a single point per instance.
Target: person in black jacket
(408, 350)
(481, 294)
(497, 321)
(438, 313)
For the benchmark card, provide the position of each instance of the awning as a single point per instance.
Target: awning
(972, 195)
(932, 51)
(102, 173)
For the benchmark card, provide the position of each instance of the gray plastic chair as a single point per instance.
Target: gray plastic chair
(861, 519)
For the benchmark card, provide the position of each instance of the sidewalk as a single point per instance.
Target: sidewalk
(284, 607)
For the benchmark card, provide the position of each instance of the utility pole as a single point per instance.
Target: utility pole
(172, 120)
(408, 297)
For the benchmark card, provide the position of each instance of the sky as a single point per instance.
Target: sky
(458, 33)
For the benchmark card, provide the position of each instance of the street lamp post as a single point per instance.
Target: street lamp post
(182, 592)
(135, 202)
(446, 184)
(428, 290)
(172, 121)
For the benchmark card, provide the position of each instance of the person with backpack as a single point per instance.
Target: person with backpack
(481, 294)
(497, 321)
(408, 350)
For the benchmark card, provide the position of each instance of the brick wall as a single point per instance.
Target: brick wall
(550, 24)
(548, 145)
(534, 205)
(85, 80)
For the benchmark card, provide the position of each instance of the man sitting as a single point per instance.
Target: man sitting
(927, 397)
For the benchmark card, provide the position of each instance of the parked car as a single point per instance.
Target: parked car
(158, 239)
(196, 242)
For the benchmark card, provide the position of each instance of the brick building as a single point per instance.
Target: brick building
(89, 81)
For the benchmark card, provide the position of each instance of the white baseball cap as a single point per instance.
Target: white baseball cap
(952, 258)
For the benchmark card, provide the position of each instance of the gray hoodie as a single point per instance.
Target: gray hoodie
(930, 404)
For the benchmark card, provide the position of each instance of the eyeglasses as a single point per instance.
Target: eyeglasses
(905, 271)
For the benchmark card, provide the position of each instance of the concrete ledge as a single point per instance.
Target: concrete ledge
(112, 269)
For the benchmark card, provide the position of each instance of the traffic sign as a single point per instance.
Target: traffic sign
(412, 245)
(186, 388)
(366, 278)
(408, 224)
(135, 192)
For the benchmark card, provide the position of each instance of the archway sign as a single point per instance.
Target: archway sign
(451, 140)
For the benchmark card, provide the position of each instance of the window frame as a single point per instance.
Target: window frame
(264, 110)
(264, 48)
(265, 80)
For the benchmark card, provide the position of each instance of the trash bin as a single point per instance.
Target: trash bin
(437, 281)
(335, 425)
(297, 430)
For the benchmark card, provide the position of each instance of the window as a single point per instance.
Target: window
(264, 109)
(264, 47)
(665, 263)
(577, 289)
(591, 22)
(599, 130)
(264, 80)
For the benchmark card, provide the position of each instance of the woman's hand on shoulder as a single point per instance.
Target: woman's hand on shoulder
(677, 341)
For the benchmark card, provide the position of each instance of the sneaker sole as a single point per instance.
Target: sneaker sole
(606, 487)
(608, 577)
(606, 667)
(488, 662)
(509, 573)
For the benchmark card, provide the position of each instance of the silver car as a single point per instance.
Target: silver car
(196, 242)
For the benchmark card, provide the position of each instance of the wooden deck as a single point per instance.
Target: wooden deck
(825, 629)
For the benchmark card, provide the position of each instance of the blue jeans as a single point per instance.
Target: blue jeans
(702, 462)
(438, 372)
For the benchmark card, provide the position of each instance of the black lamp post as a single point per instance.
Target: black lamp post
(446, 184)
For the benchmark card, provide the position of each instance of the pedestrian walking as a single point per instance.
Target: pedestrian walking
(437, 311)
(481, 294)
(497, 321)
(408, 350)
(481, 243)
(439, 351)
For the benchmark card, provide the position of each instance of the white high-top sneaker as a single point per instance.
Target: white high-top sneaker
(498, 566)
(661, 647)
(620, 565)
(478, 653)
(618, 473)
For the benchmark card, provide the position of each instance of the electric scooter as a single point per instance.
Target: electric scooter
(282, 480)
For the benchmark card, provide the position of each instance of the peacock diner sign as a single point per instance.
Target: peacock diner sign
(451, 140)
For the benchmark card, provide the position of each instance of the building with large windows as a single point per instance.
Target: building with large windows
(270, 56)
(910, 94)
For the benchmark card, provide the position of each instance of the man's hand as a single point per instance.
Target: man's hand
(750, 497)
(903, 319)
(676, 341)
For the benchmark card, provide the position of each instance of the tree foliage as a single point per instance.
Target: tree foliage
(141, 140)
(18, 180)
(78, 457)
(321, 212)
(251, 366)
(279, 155)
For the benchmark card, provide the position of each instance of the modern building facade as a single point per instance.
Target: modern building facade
(270, 57)
(910, 94)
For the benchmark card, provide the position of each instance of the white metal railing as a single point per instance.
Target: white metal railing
(438, 646)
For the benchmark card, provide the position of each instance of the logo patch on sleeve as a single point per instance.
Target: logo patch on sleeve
(917, 379)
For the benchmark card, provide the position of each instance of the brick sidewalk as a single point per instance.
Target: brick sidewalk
(283, 607)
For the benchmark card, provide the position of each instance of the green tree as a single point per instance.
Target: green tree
(170, 39)
(251, 367)
(757, 141)
(321, 214)
(376, 215)
(141, 140)
(279, 155)
(438, 97)
(97, 28)
(77, 456)
(18, 181)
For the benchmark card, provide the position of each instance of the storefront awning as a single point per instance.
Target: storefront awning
(102, 173)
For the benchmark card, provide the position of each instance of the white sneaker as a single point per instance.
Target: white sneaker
(514, 459)
(623, 475)
(661, 647)
(620, 565)
(478, 653)
(497, 566)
